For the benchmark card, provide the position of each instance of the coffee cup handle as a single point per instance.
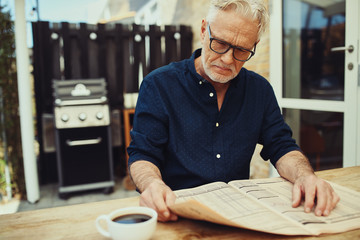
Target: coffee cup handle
(98, 226)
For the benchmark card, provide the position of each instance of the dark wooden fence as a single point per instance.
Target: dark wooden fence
(119, 53)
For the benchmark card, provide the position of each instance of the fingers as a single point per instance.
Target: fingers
(322, 200)
(170, 200)
(310, 193)
(327, 199)
(159, 198)
(315, 190)
(156, 202)
(296, 195)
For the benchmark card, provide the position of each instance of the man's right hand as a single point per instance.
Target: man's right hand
(154, 192)
(159, 197)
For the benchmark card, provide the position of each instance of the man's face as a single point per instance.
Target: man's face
(228, 27)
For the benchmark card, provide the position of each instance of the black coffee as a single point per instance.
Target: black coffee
(131, 218)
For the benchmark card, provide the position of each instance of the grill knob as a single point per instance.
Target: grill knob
(82, 116)
(65, 117)
(100, 115)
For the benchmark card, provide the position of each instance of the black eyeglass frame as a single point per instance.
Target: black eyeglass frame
(252, 53)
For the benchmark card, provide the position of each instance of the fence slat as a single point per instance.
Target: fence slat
(170, 43)
(155, 47)
(185, 41)
(54, 42)
(127, 75)
(118, 86)
(139, 56)
(66, 49)
(83, 44)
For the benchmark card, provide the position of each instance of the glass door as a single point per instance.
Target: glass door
(314, 70)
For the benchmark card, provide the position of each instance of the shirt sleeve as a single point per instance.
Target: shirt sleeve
(276, 135)
(150, 127)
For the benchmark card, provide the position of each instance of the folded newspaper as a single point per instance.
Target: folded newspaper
(265, 205)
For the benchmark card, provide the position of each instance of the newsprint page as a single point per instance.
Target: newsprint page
(265, 205)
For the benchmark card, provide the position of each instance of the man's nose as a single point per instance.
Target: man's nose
(227, 57)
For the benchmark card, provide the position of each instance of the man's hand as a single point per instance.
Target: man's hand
(314, 189)
(159, 197)
(154, 192)
(317, 193)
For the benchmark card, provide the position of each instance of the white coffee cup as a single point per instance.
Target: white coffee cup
(133, 223)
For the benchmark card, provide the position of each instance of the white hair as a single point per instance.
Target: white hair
(253, 9)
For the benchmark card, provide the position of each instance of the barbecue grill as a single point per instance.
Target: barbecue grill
(82, 136)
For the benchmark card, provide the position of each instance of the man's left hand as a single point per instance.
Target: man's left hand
(316, 192)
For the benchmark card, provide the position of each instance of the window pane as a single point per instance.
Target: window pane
(311, 69)
(319, 134)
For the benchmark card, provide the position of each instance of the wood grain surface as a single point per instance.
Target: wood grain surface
(78, 221)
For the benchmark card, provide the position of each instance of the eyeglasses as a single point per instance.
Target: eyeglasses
(221, 47)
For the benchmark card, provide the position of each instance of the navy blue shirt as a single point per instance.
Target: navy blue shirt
(178, 126)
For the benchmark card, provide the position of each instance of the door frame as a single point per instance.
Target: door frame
(351, 104)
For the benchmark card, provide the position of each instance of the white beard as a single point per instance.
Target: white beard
(217, 77)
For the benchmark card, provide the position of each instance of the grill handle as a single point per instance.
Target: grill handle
(61, 103)
(83, 142)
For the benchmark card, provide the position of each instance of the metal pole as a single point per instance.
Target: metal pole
(37, 10)
(25, 104)
(7, 171)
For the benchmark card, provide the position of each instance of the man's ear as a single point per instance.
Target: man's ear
(203, 30)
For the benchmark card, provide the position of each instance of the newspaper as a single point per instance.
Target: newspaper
(265, 205)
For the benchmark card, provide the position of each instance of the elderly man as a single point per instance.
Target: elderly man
(199, 120)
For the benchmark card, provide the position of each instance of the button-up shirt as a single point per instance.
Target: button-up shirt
(179, 128)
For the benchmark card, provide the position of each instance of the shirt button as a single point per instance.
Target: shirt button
(211, 94)
(218, 156)
(217, 124)
(200, 82)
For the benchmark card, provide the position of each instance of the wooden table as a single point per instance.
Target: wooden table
(78, 221)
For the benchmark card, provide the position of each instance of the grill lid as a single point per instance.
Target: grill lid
(82, 89)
